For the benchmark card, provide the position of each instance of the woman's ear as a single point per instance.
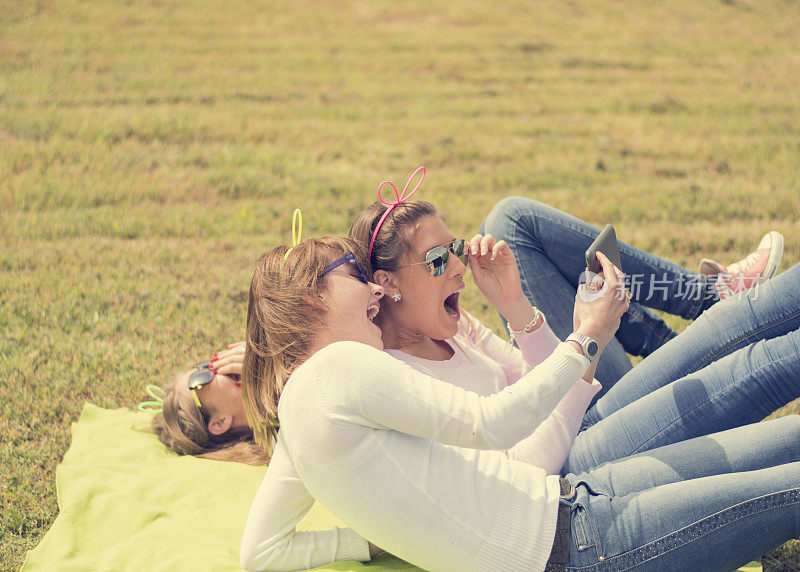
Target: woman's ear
(317, 302)
(384, 279)
(220, 424)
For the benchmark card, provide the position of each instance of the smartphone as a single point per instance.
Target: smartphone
(606, 242)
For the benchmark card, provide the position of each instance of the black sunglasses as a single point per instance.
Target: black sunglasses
(203, 376)
(362, 276)
(437, 259)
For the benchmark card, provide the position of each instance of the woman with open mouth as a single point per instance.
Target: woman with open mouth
(416, 466)
(697, 384)
(548, 246)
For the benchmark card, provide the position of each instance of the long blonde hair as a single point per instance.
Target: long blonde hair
(183, 429)
(282, 316)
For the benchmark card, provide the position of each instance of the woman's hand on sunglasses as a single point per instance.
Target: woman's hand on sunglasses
(229, 360)
(495, 273)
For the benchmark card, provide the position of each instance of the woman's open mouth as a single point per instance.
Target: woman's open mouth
(451, 305)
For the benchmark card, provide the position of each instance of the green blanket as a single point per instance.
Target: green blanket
(126, 503)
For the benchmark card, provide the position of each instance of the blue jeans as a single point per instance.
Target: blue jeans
(736, 364)
(549, 246)
(710, 503)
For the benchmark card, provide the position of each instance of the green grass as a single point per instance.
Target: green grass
(150, 151)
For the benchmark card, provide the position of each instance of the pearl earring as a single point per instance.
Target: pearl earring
(396, 296)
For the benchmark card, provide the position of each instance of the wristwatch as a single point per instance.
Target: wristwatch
(590, 347)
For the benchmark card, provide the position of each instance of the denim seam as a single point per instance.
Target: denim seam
(696, 309)
(537, 215)
(725, 349)
(700, 528)
(523, 278)
(644, 446)
(514, 228)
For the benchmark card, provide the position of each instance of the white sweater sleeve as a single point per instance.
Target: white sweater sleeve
(359, 384)
(551, 442)
(271, 541)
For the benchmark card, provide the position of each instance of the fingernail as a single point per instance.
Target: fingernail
(483, 251)
(212, 361)
(493, 255)
(228, 347)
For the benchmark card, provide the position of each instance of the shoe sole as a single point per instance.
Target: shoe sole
(775, 255)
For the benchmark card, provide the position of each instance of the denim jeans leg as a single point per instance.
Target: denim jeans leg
(548, 241)
(747, 448)
(770, 311)
(547, 287)
(741, 388)
(641, 331)
(716, 522)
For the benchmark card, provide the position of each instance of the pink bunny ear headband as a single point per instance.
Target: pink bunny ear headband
(401, 198)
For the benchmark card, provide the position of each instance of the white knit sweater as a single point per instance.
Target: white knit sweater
(483, 363)
(409, 462)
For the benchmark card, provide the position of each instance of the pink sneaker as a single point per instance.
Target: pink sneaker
(747, 273)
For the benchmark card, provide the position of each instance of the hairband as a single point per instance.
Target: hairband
(297, 231)
(401, 198)
(156, 405)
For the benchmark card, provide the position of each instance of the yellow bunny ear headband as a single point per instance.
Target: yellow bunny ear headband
(297, 231)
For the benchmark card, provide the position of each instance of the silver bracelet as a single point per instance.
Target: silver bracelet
(514, 334)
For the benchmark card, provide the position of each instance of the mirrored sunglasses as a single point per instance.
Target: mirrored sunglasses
(437, 259)
(362, 276)
(203, 376)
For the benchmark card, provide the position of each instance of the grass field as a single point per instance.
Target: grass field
(151, 150)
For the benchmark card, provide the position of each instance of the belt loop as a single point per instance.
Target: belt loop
(567, 489)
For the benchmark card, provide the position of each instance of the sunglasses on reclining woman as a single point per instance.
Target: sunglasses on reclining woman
(203, 376)
(437, 259)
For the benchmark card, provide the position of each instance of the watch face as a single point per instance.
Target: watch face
(591, 349)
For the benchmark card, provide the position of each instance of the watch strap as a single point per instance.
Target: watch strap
(588, 344)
